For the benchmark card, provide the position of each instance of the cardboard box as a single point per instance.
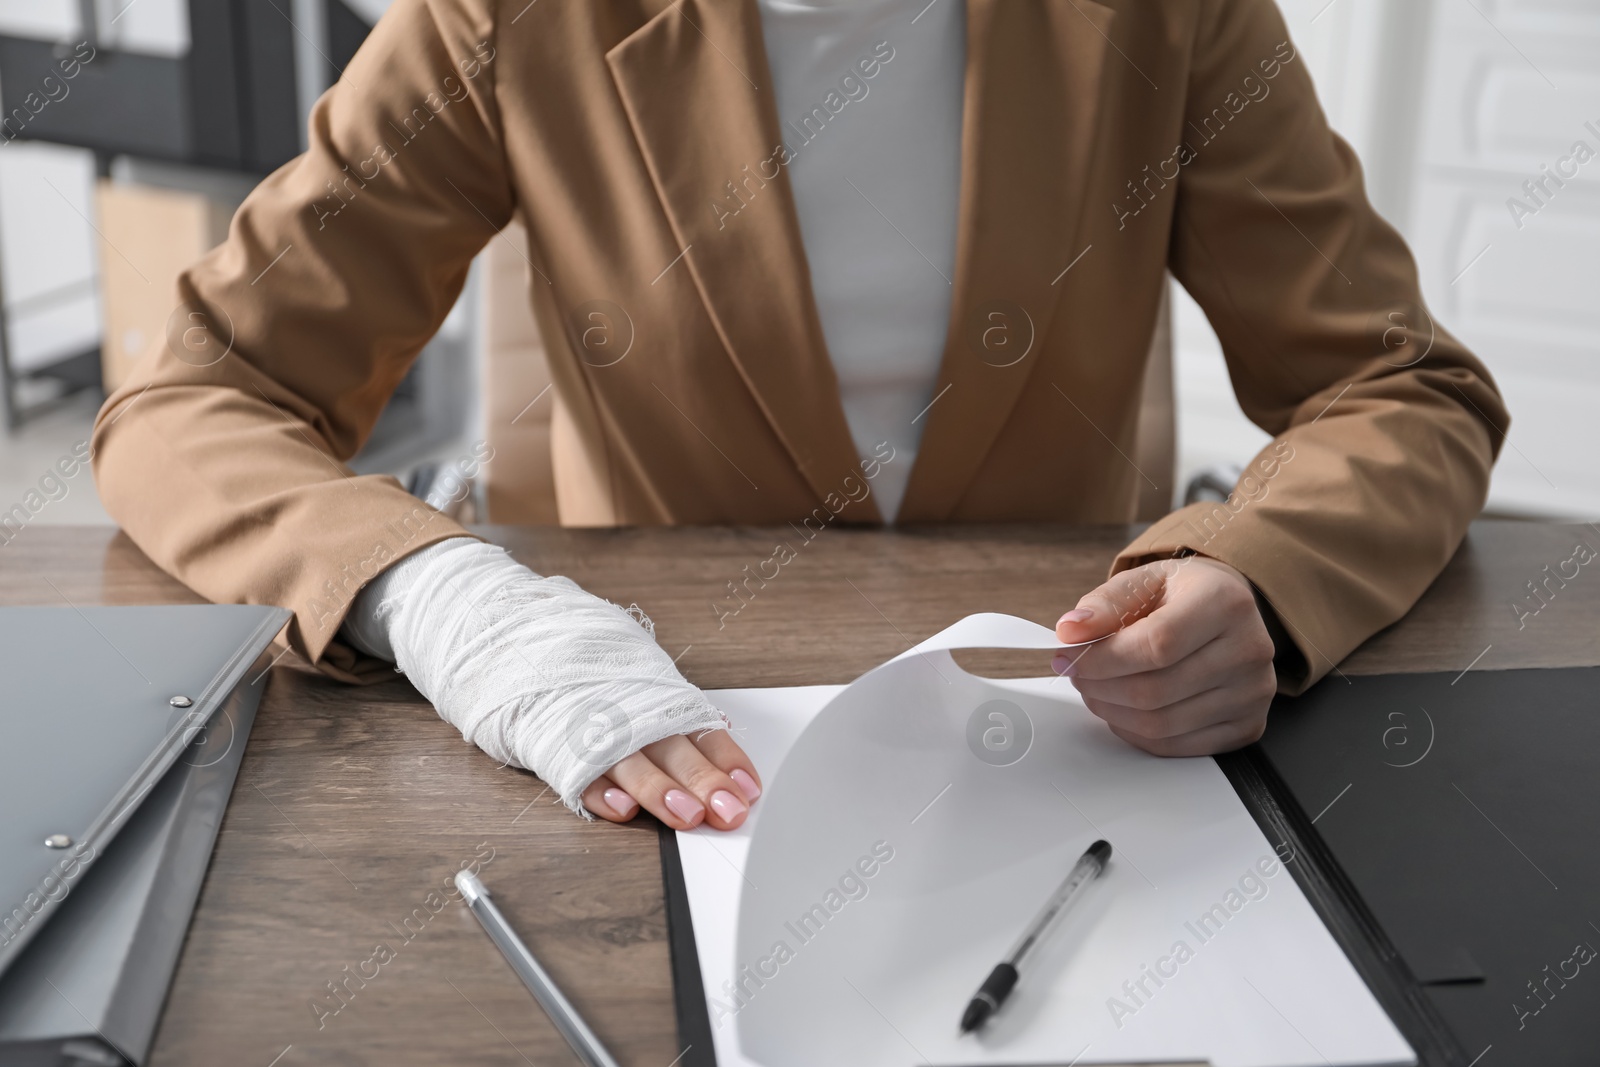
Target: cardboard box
(147, 237)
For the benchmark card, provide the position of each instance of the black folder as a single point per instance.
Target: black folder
(1443, 826)
(1461, 811)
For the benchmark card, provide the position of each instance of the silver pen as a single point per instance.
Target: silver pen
(561, 1012)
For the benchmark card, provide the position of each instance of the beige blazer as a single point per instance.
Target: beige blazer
(1105, 142)
(522, 491)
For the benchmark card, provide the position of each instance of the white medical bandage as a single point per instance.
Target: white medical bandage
(533, 670)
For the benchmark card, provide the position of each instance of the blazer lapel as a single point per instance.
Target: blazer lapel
(1029, 128)
(697, 90)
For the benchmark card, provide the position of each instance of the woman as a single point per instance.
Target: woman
(894, 260)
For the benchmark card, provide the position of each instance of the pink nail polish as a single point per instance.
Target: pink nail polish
(727, 805)
(747, 785)
(1077, 615)
(620, 802)
(684, 806)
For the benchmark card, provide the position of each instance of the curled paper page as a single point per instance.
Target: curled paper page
(922, 817)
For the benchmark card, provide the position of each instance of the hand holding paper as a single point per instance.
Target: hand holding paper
(1187, 668)
(913, 814)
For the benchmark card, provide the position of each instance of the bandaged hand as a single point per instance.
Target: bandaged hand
(544, 676)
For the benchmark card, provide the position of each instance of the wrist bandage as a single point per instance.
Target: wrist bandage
(533, 670)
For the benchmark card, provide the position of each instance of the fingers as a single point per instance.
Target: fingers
(1199, 602)
(682, 781)
(658, 792)
(611, 803)
(724, 801)
(1176, 630)
(1211, 708)
(720, 748)
(1209, 741)
(686, 782)
(1117, 602)
(1214, 664)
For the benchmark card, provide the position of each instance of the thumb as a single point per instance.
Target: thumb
(1120, 600)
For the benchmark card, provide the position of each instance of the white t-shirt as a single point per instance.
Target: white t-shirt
(869, 96)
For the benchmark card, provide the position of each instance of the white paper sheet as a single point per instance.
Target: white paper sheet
(915, 820)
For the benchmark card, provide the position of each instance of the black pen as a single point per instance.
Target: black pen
(987, 1000)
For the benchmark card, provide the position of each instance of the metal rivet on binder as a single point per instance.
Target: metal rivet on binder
(180, 702)
(58, 841)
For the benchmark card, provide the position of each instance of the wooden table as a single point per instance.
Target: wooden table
(354, 804)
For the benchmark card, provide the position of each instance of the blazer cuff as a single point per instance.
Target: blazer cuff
(320, 606)
(1287, 659)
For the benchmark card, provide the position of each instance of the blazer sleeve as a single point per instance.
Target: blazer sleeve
(1385, 426)
(223, 456)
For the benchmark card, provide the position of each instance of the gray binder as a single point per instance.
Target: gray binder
(122, 732)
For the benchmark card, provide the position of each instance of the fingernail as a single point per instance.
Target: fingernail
(727, 805)
(747, 785)
(1077, 615)
(620, 802)
(684, 806)
(1063, 666)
